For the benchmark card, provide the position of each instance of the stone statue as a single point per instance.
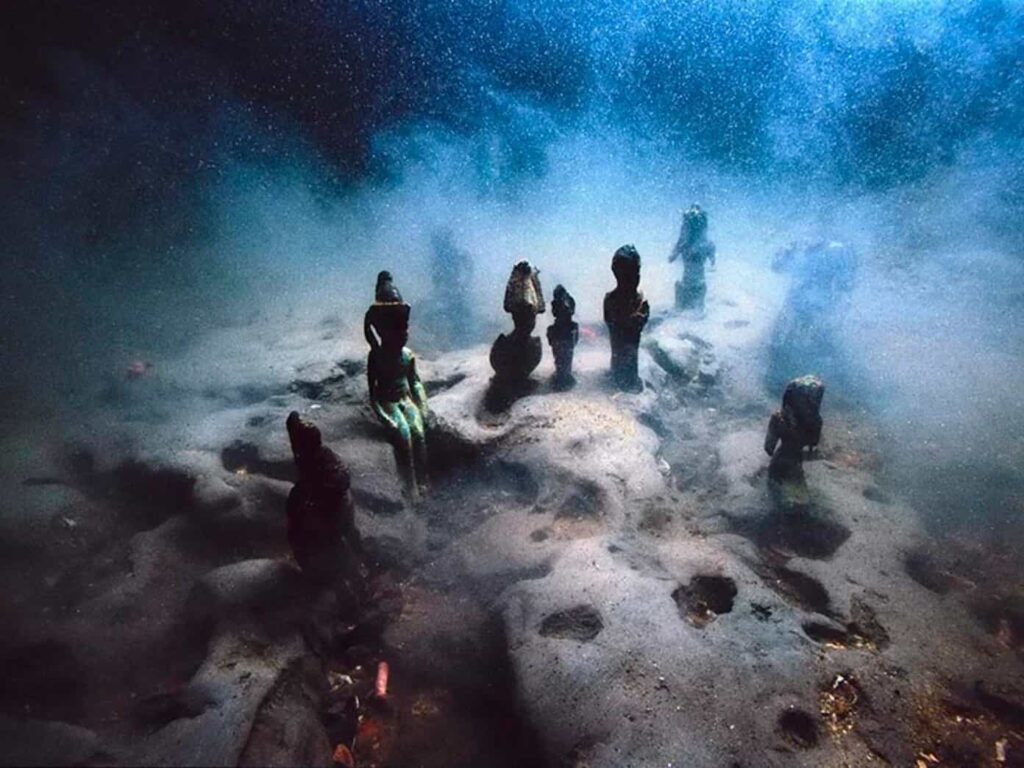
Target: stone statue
(562, 336)
(449, 313)
(514, 356)
(797, 425)
(396, 393)
(694, 248)
(321, 515)
(626, 312)
(808, 330)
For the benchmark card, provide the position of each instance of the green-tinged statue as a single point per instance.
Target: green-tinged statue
(396, 393)
(626, 313)
(562, 336)
(694, 248)
(797, 425)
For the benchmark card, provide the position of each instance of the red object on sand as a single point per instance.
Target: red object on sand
(381, 685)
(343, 756)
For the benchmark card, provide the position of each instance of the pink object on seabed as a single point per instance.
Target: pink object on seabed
(137, 369)
(381, 685)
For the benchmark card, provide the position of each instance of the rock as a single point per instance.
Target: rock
(287, 731)
(213, 495)
(684, 357)
(244, 683)
(680, 357)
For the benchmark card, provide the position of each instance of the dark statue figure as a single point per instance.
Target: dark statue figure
(321, 515)
(797, 425)
(626, 312)
(694, 248)
(562, 336)
(514, 356)
(396, 393)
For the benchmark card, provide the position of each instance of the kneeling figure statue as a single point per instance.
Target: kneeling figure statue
(797, 425)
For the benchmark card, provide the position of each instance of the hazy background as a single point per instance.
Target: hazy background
(171, 167)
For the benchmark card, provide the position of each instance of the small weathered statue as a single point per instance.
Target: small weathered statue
(694, 248)
(321, 515)
(562, 336)
(808, 331)
(396, 393)
(797, 425)
(626, 313)
(514, 356)
(449, 313)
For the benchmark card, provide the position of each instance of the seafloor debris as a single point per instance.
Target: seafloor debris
(581, 622)
(838, 704)
(965, 729)
(380, 687)
(343, 756)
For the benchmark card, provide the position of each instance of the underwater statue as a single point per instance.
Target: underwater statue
(321, 515)
(694, 248)
(626, 312)
(808, 331)
(797, 425)
(449, 314)
(563, 334)
(396, 393)
(514, 356)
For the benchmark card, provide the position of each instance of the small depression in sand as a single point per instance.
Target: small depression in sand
(799, 728)
(582, 622)
(800, 533)
(705, 598)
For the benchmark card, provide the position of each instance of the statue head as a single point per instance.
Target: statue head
(803, 396)
(523, 292)
(386, 291)
(522, 270)
(563, 305)
(388, 316)
(304, 436)
(696, 222)
(626, 267)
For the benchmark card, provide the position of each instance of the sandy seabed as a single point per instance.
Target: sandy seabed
(595, 578)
